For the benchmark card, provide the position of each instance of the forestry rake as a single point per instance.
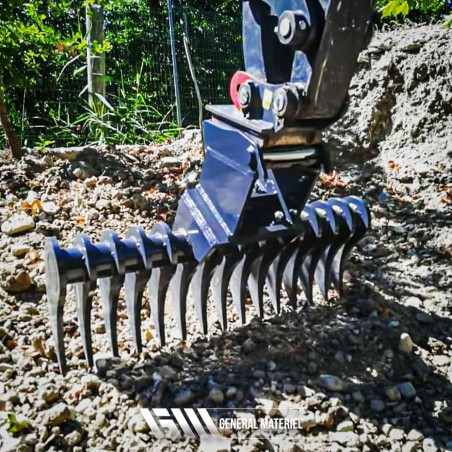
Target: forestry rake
(247, 223)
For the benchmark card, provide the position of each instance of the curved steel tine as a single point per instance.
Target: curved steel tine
(56, 288)
(303, 247)
(258, 274)
(134, 285)
(361, 219)
(109, 295)
(84, 292)
(328, 227)
(157, 288)
(239, 279)
(276, 272)
(56, 312)
(179, 285)
(200, 288)
(344, 231)
(220, 283)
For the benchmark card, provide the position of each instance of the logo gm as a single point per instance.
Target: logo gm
(175, 422)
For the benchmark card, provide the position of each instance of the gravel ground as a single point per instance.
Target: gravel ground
(372, 371)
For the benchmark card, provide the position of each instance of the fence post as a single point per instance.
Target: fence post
(95, 62)
(174, 62)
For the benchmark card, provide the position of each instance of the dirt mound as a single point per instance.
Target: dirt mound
(401, 108)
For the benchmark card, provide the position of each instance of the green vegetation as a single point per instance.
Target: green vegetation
(43, 47)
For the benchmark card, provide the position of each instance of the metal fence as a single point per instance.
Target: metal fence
(142, 80)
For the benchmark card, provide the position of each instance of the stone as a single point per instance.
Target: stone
(171, 162)
(20, 249)
(50, 208)
(49, 393)
(249, 346)
(183, 397)
(441, 360)
(289, 388)
(269, 406)
(91, 182)
(103, 204)
(331, 383)
(168, 373)
(405, 344)
(407, 390)
(377, 405)
(216, 395)
(138, 424)
(345, 426)
(386, 429)
(397, 434)
(73, 438)
(415, 435)
(18, 223)
(429, 445)
(349, 439)
(393, 394)
(57, 415)
(410, 446)
(231, 392)
(18, 282)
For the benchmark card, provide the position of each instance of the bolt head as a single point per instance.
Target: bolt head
(285, 27)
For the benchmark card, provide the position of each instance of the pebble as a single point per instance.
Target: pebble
(397, 434)
(73, 438)
(377, 405)
(331, 383)
(18, 223)
(20, 281)
(269, 406)
(345, 426)
(407, 390)
(429, 445)
(167, 373)
(57, 415)
(415, 435)
(138, 424)
(183, 397)
(49, 393)
(231, 392)
(50, 208)
(441, 360)
(216, 395)
(393, 394)
(249, 346)
(20, 249)
(405, 343)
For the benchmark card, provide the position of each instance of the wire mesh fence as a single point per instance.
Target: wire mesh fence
(140, 80)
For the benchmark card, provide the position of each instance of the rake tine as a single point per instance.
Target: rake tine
(84, 292)
(179, 285)
(157, 288)
(276, 273)
(328, 229)
(361, 222)
(220, 283)
(258, 274)
(303, 247)
(134, 286)
(109, 295)
(200, 287)
(344, 229)
(239, 280)
(58, 276)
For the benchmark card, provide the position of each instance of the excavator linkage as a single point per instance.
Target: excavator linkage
(247, 225)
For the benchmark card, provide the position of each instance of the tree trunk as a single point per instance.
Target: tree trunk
(11, 135)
